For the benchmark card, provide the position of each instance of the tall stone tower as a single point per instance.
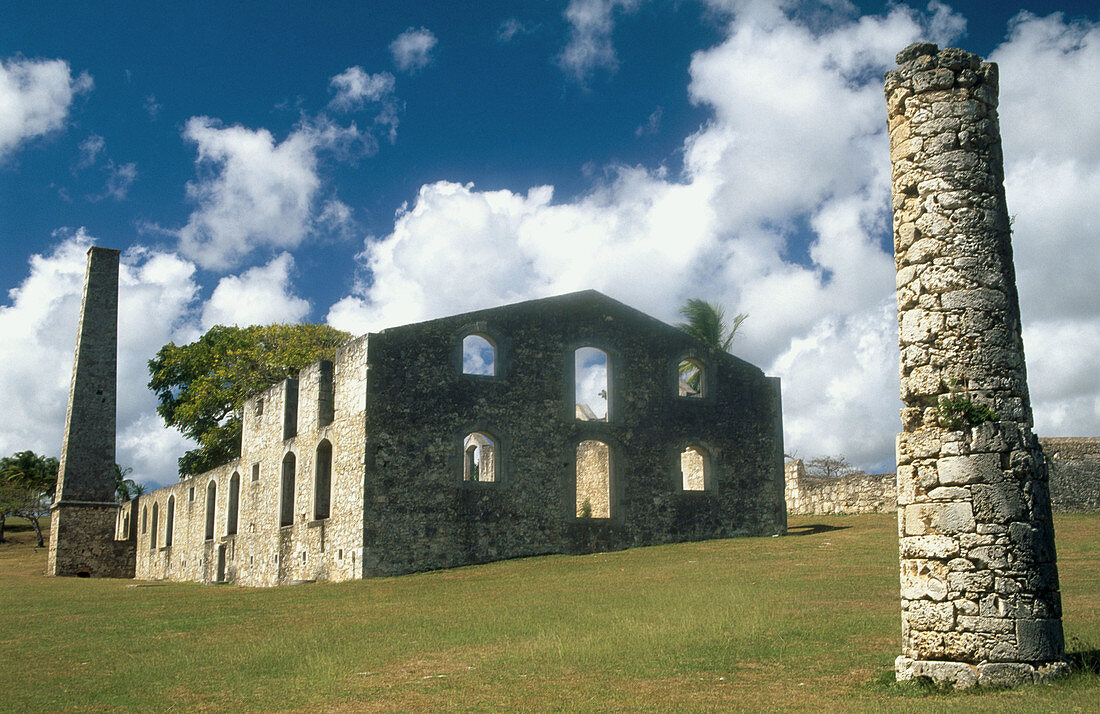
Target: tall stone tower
(979, 584)
(82, 529)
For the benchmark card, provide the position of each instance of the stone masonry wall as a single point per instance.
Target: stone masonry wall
(421, 514)
(979, 584)
(262, 552)
(861, 493)
(1074, 465)
(1072, 462)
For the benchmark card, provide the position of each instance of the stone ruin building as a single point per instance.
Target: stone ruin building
(406, 453)
(979, 583)
(569, 424)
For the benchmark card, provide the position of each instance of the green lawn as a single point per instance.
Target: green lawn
(805, 622)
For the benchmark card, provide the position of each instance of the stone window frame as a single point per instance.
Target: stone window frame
(283, 522)
(211, 512)
(154, 540)
(500, 345)
(708, 367)
(616, 467)
(458, 464)
(144, 519)
(316, 479)
(614, 362)
(710, 473)
(170, 521)
(233, 504)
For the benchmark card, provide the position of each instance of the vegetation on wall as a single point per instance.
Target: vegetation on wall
(958, 410)
(203, 385)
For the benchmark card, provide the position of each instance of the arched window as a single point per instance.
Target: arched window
(479, 458)
(590, 386)
(322, 481)
(126, 526)
(593, 480)
(691, 378)
(234, 504)
(479, 355)
(286, 491)
(144, 520)
(169, 520)
(153, 530)
(694, 468)
(211, 502)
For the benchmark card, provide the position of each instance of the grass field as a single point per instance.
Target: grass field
(807, 622)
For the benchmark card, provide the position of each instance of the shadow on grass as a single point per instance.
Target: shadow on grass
(1084, 658)
(813, 529)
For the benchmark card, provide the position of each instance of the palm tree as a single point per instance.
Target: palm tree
(706, 322)
(37, 475)
(126, 488)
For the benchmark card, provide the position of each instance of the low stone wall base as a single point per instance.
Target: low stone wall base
(82, 542)
(962, 675)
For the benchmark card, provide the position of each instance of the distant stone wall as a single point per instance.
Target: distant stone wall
(1074, 465)
(863, 493)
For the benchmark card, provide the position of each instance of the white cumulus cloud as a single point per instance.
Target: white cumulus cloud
(589, 47)
(259, 296)
(1051, 142)
(35, 97)
(354, 87)
(412, 49)
(252, 191)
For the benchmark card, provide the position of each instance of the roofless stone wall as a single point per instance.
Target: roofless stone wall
(979, 584)
(1074, 466)
(857, 493)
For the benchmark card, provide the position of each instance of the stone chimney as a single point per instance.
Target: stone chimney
(84, 512)
(979, 582)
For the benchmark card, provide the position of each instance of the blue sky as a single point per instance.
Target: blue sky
(373, 164)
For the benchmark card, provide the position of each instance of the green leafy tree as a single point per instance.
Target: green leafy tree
(202, 386)
(35, 477)
(12, 499)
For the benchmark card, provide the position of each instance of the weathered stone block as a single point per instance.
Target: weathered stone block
(990, 556)
(1005, 674)
(935, 616)
(974, 468)
(949, 493)
(917, 445)
(969, 623)
(996, 503)
(979, 581)
(924, 579)
(957, 674)
(977, 299)
(929, 546)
